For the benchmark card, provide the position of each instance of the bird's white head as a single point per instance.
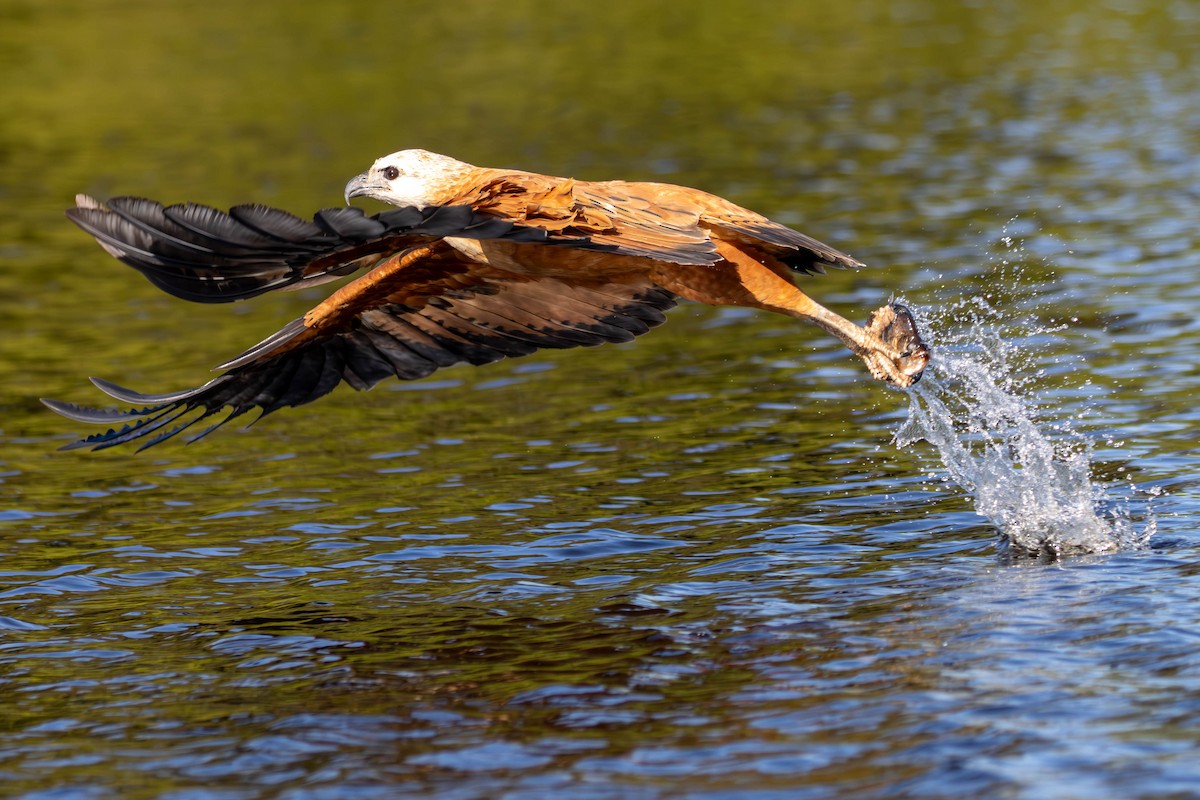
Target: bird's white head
(408, 178)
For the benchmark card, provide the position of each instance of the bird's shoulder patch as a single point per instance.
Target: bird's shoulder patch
(540, 201)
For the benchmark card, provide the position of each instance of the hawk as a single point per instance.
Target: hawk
(472, 265)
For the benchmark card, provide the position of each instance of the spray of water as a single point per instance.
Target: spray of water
(1028, 474)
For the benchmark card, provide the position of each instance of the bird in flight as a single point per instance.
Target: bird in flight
(473, 264)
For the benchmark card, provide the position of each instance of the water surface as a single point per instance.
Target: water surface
(695, 565)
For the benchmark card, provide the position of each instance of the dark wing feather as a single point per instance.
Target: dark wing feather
(350, 224)
(277, 224)
(475, 314)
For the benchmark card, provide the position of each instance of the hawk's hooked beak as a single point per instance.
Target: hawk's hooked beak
(362, 186)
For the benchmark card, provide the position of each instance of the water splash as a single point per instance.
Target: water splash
(1030, 477)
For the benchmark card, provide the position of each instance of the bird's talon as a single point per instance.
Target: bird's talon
(900, 356)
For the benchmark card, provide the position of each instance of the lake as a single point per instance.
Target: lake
(700, 564)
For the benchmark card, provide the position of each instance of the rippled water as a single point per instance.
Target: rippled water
(695, 565)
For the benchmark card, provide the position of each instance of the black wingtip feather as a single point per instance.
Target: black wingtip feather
(95, 416)
(350, 223)
(137, 398)
(278, 224)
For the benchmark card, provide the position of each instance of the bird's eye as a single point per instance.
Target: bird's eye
(391, 173)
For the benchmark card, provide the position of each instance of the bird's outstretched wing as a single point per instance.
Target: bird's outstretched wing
(423, 304)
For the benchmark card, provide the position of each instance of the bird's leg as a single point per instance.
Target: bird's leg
(889, 345)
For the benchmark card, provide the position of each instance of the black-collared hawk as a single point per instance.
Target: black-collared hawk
(473, 265)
